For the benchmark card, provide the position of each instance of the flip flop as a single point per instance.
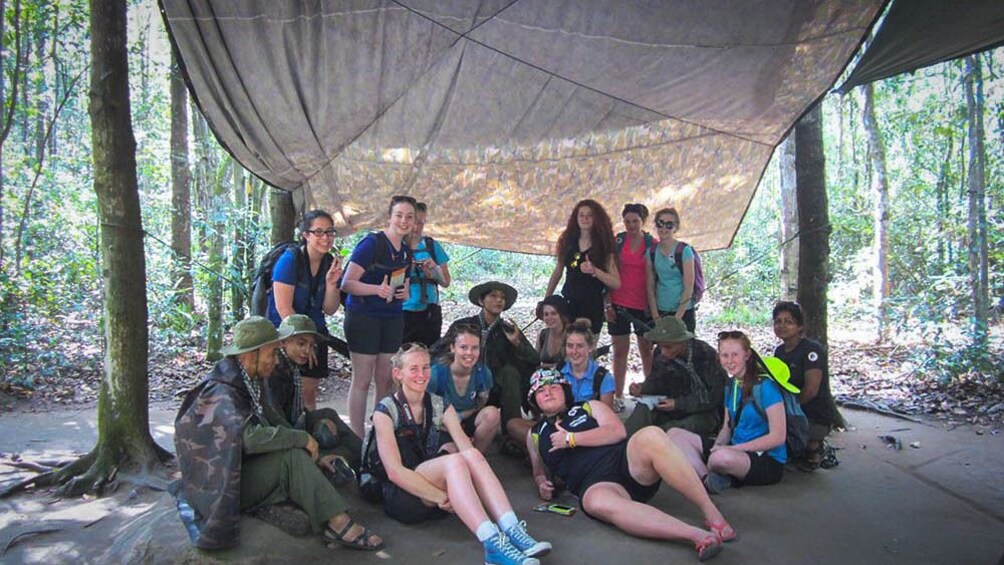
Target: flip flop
(723, 530)
(359, 542)
(708, 547)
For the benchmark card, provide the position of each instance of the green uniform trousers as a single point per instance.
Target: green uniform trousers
(290, 474)
(704, 424)
(345, 443)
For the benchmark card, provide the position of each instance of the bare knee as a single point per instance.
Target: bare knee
(650, 436)
(472, 457)
(490, 416)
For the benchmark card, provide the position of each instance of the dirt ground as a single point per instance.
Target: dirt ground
(938, 500)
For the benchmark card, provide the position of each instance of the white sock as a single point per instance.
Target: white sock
(486, 531)
(508, 520)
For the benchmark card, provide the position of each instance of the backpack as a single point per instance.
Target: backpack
(622, 237)
(372, 474)
(262, 286)
(598, 376)
(796, 423)
(379, 259)
(699, 284)
(430, 248)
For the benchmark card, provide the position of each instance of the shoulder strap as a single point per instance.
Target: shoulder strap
(678, 255)
(598, 376)
(430, 248)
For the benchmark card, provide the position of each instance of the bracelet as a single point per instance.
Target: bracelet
(571, 440)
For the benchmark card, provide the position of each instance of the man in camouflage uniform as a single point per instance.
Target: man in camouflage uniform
(235, 455)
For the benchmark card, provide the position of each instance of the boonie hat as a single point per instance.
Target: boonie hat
(669, 329)
(479, 291)
(252, 333)
(299, 324)
(778, 370)
(557, 302)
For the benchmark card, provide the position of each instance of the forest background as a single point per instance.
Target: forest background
(900, 161)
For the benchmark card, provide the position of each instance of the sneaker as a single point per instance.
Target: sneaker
(524, 542)
(715, 483)
(618, 404)
(498, 551)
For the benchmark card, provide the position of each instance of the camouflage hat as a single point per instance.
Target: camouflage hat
(300, 324)
(669, 329)
(252, 333)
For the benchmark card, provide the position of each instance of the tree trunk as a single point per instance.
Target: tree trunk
(280, 206)
(219, 203)
(813, 223)
(880, 215)
(239, 248)
(977, 227)
(124, 439)
(181, 196)
(941, 190)
(789, 220)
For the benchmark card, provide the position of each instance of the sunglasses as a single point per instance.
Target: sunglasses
(401, 198)
(330, 232)
(412, 346)
(664, 224)
(731, 334)
(578, 258)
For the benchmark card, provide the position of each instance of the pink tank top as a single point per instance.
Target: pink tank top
(631, 266)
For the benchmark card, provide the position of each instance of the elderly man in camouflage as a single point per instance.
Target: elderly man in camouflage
(235, 454)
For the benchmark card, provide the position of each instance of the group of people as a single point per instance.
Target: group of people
(250, 434)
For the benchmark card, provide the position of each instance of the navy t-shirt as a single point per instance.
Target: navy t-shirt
(286, 271)
(395, 263)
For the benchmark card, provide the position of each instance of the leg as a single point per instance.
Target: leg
(641, 417)
(382, 376)
(692, 448)
(450, 472)
(730, 462)
(645, 349)
(487, 484)
(363, 366)
(347, 443)
(486, 427)
(517, 428)
(610, 503)
(290, 475)
(621, 345)
(653, 456)
(309, 392)
(507, 379)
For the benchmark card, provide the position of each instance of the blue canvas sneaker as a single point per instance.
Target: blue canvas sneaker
(525, 543)
(498, 551)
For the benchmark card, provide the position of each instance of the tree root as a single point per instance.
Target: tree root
(53, 477)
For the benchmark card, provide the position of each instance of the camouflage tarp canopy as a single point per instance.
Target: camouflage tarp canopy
(501, 114)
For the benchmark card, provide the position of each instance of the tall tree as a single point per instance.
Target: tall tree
(219, 204)
(813, 222)
(976, 191)
(7, 106)
(181, 197)
(124, 440)
(280, 206)
(240, 247)
(789, 219)
(880, 214)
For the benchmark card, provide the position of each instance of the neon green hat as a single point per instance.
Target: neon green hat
(778, 371)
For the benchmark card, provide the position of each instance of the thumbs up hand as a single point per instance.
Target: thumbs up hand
(384, 290)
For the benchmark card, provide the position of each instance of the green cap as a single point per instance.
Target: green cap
(252, 333)
(669, 329)
(780, 372)
(299, 324)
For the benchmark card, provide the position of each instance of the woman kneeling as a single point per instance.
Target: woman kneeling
(425, 482)
(584, 445)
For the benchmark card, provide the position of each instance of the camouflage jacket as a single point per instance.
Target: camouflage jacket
(214, 428)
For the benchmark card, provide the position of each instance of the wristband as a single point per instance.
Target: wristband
(571, 440)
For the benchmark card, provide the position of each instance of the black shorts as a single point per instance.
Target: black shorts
(764, 470)
(639, 320)
(591, 309)
(423, 326)
(407, 508)
(615, 469)
(320, 370)
(689, 318)
(370, 335)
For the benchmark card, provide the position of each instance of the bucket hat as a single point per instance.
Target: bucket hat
(778, 371)
(480, 290)
(252, 333)
(669, 329)
(299, 324)
(544, 377)
(557, 302)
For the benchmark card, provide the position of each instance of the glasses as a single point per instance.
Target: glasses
(330, 232)
(579, 257)
(665, 224)
(401, 198)
(731, 334)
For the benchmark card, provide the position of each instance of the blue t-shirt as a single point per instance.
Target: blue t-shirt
(751, 425)
(582, 388)
(420, 253)
(285, 271)
(441, 384)
(669, 286)
(365, 255)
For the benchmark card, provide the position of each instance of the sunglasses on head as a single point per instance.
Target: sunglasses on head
(665, 224)
(412, 346)
(402, 198)
(731, 334)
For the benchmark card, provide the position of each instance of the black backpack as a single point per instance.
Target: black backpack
(379, 260)
(601, 373)
(263, 275)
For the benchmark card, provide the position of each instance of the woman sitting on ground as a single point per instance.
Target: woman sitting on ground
(553, 311)
(806, 359)
(424, 483)
(463, 372)
(584, 445)
(589, 379)
(749, 449)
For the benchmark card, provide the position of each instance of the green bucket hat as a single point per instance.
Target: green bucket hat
(479, 291)
(669, 329)
(299, 324)
(252, 333)
(778, 371)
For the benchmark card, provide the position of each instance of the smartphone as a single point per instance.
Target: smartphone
(555, 508)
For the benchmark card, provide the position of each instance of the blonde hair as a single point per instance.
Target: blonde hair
(583, 327)
(397, 360)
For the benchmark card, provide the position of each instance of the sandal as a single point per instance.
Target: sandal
(359, 542)
(723, 530)
(810, 461)
(708, 547)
